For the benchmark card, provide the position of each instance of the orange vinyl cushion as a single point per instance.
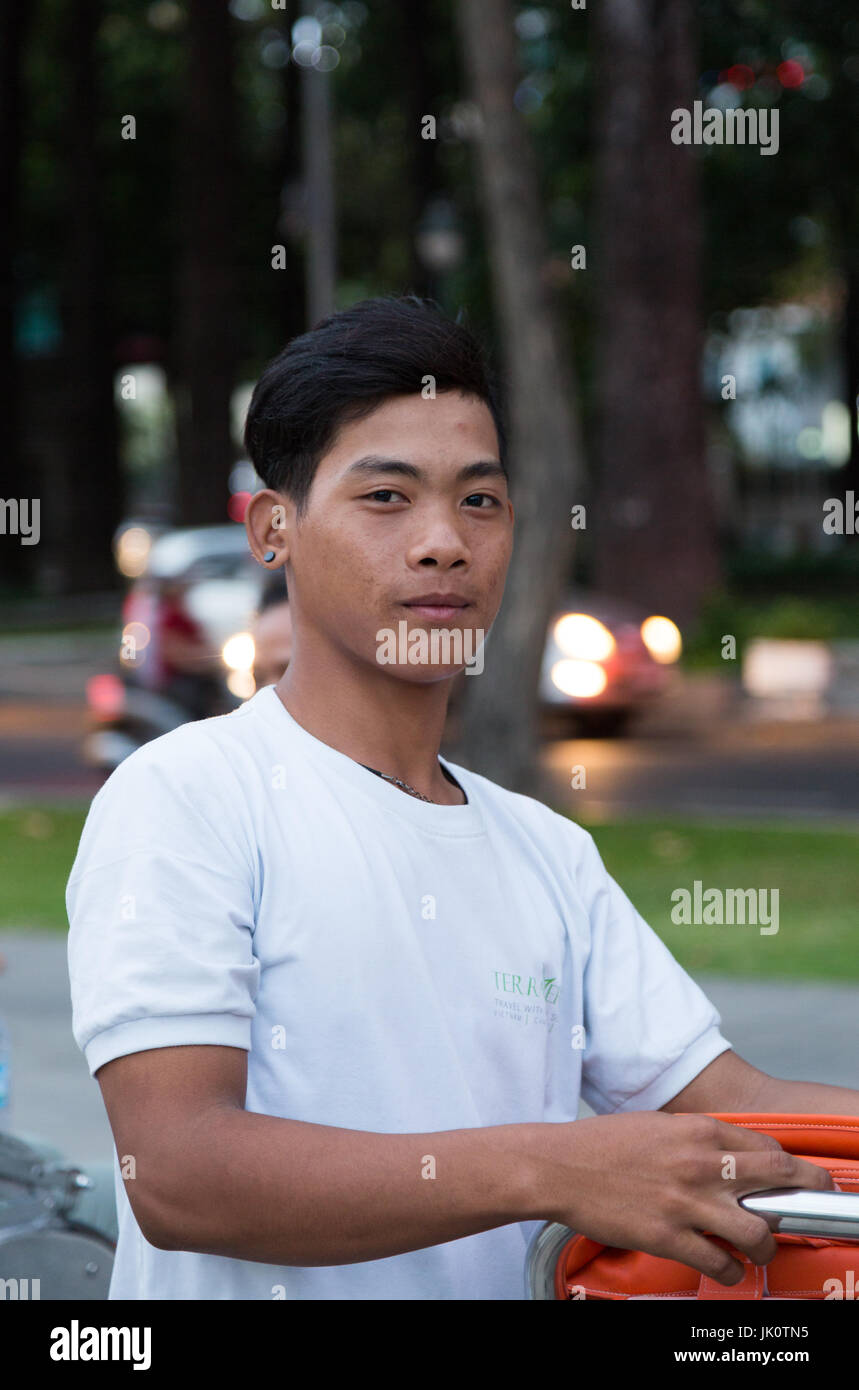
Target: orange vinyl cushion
(803, 1267)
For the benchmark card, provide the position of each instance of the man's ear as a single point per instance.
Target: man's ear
(269, 518)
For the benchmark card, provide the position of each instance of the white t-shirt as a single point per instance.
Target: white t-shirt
(390, 965)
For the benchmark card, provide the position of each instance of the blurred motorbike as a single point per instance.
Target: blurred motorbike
(185, 652)
(46, 1250)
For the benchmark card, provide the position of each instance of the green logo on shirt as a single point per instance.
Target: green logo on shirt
(548, 989)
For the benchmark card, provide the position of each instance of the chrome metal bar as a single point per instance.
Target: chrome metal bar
(799, 1212)
(541, 1259)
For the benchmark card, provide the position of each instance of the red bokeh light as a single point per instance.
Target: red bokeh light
(740, 75)
(238, 505)
(790, 73)
(105, 696)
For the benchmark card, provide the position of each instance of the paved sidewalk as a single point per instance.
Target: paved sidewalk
(53, 1095)
(805, 1031)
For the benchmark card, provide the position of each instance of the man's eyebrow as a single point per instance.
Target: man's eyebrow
(375, 463)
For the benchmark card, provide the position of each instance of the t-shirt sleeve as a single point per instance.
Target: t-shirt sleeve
(160, 903)
(649, 1029)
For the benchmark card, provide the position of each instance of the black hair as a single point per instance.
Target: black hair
(344, 368)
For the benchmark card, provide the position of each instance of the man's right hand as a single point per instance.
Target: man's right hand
(652, 1181)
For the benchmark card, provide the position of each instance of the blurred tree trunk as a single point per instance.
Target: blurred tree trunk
(414, 27)
(208, 317)
(321, 240)
(499, 730)
(14, 21)
(291, 284)
(655, 528)
(85, 518)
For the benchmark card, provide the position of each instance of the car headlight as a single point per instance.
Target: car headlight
(662, 639)
(238, 652)
(582, 679)
(584, 638)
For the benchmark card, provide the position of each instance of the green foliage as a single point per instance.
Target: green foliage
(790, 618)
(723, 614)
(752, 204)
(759, 212)
(795, 619)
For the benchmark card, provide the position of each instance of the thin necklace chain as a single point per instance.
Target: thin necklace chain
(398, 783)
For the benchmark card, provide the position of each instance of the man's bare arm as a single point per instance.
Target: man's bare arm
(216, 1179)
(807, 1098)
(730, 1085)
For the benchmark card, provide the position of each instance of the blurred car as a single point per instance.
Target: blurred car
(603, 662)
(197, 588)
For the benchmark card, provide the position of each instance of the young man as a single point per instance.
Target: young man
(342, 996)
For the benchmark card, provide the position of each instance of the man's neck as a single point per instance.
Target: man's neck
(393, 726)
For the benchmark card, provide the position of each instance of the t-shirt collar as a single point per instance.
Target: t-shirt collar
(452, 820)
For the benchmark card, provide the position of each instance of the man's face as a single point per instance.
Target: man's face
(394, 515)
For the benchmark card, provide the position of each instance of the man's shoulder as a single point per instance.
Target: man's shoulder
(192, 754)
(173, 794)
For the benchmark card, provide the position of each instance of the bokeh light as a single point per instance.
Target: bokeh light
(238, 505)
(790, 73)
(579, 635)
(580, 679)
(740, 75)
(662, 639)
(132, 551)
(239, 651)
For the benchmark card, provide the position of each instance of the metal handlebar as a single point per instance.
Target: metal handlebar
(800, 1213)
(788, 1210)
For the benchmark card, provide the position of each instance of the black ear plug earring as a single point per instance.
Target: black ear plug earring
(269, 556)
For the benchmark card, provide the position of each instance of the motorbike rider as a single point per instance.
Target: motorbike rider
(177, 661)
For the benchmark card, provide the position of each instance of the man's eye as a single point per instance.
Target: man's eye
(382, 494)
(481, 496)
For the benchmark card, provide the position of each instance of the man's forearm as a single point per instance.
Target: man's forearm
(256, 1187)
(805, 1098)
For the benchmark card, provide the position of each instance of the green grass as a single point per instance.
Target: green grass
(816, 871)
(37, 847)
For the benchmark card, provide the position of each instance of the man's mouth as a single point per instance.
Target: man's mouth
(438, 607)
